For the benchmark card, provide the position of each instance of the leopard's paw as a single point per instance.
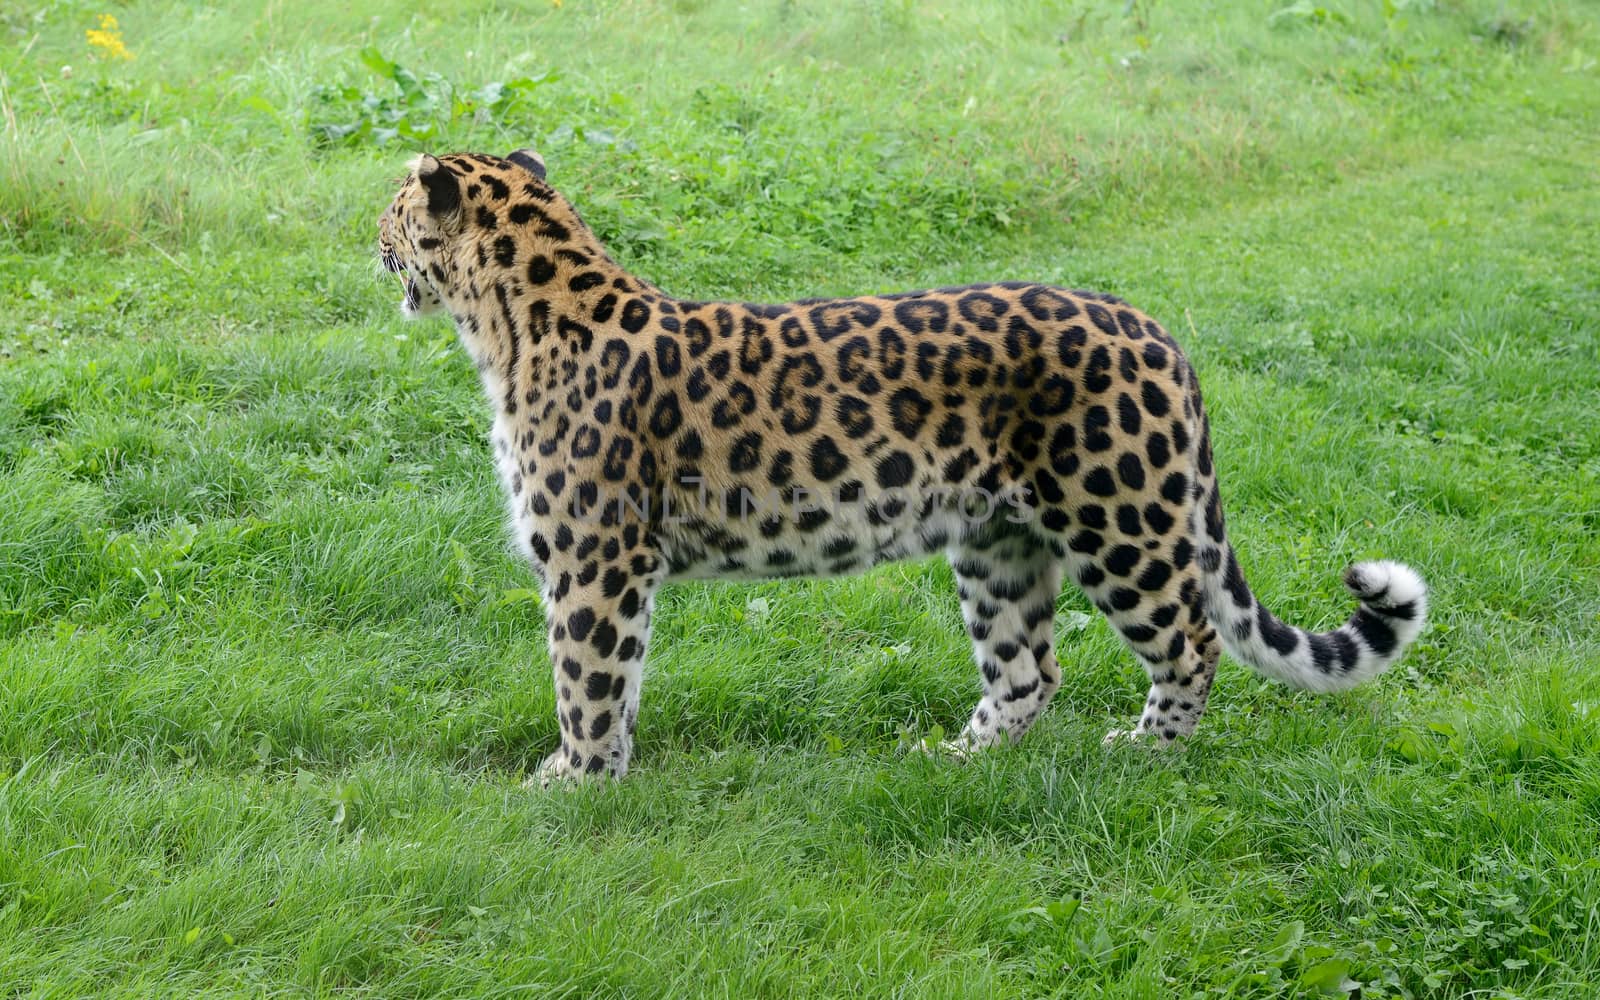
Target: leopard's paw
(556, 770)
(1120, 736)
(1139, 738)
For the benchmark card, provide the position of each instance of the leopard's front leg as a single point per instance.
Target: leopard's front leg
(600, 589)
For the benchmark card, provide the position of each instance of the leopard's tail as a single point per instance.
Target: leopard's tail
(1393, 609)
(1392, 612)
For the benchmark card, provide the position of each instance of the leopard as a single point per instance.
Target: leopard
(1025, 431)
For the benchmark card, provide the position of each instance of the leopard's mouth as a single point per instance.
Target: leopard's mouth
(411, 305)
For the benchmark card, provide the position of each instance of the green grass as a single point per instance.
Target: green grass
(270, 677)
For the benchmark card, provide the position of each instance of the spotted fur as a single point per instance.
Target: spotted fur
(642, 438)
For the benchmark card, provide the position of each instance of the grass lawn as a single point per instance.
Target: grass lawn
(271, 678)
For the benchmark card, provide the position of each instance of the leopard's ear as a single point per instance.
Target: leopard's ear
(530, 161)
(444, 192)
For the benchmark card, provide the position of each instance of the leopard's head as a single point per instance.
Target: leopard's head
(420, 232)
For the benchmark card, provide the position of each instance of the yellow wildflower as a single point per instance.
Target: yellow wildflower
(107, 39)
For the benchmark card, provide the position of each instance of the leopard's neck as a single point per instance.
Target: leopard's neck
(540, 291)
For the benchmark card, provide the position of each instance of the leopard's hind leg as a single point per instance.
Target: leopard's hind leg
(1149, 589)
(1008, 587)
